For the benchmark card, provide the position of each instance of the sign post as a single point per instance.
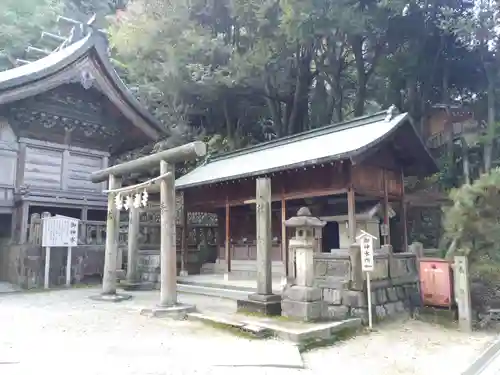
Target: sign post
(59, 231)
(367, 265)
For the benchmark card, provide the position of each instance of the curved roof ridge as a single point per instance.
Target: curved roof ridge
(52, 64)
(23, 74)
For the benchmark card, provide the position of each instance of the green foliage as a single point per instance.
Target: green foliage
(22, 22)
(473, 221)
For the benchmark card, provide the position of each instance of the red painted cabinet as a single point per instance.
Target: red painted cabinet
(436, 282)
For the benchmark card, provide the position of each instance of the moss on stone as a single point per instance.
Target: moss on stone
(275, 317)
(339, 336)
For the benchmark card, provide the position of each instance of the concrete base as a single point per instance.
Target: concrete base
(115, 297)
(125, 285)
(178, 311)
(183, 273)
(258, 303)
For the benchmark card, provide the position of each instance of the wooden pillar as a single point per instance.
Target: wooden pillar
(112, 232)
(387, 235)
(168, 257)
(284, 244)
(24, 221)
(82, 232)
(404, 213)
(228, 241)
(184, 233)
(133, 245)
(351, 214)
(264, 236)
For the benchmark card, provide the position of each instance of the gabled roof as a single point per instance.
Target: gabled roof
(348, 140)
(86, 56)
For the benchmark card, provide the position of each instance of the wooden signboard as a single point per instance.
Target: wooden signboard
(59, 231)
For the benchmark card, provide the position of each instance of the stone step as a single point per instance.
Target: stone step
(233, 294)
(214, 289)
(208, 284)
(297, 332)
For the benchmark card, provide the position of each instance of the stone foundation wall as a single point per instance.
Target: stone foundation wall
(386, 301)
(394, 284)
(24, 265)
(149, 264)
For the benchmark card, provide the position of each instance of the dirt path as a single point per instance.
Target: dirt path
(64, 332)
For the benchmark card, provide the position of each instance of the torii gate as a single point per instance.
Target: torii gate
(165, 184)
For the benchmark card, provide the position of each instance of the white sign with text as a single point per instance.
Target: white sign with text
(367, 261)
(60, 231)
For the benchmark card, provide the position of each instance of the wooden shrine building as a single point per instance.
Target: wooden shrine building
(63, 117)
(348, 174)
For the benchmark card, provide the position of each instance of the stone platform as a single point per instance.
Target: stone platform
(299, 333)
(217, 286)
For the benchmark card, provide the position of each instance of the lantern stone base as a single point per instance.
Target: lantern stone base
(176, 312)
(305, 311)
(266, 304)
(145, 286)
(111, 297)
(303, 303)
(302, 293)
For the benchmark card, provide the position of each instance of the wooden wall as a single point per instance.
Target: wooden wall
(8, 161)
(327, 179)
(47, 165)
(369, 180)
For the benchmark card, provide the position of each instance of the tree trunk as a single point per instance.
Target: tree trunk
(229, 125)
(465, 162)
(488, 147)
(359, 101)
(274, 105)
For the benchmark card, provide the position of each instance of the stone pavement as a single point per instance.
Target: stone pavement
(63, 332)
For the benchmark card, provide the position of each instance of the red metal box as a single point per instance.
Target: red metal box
(435, 282)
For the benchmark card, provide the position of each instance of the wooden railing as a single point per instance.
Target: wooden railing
(94, 233)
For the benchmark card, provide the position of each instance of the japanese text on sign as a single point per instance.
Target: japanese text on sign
(60, 231)
(367, 262)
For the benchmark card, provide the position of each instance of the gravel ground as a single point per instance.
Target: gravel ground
(64, 332)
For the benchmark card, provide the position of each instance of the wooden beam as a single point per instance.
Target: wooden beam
(404, 214)
(228, 241)
(23, 235)
(387, 236)
(284, 244)
(184, 237)
(351, 214)
(298, 195)
(190, 151)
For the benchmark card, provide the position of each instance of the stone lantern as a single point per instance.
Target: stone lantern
(301, 299)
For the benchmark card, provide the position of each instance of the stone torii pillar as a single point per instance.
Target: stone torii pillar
(165, 183)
